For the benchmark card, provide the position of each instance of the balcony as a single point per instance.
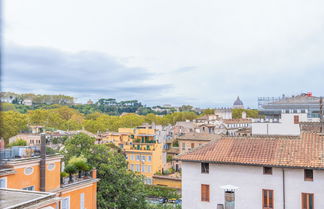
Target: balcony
(143, 146)
(74, 179)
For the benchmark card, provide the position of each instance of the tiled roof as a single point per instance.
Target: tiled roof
(306, 151)
(310, 126)
(237, 121)
(199, 136)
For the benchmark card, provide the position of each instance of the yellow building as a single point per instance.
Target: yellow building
(143, 152)
(168, 181)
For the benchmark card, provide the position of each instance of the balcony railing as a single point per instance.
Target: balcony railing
(66, 181)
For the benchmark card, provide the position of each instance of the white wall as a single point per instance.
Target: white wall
(251, 181)
(285, 126)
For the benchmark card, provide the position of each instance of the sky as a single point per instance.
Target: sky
(204, 53)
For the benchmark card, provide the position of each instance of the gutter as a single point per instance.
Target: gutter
(283, 189)
(250, 164)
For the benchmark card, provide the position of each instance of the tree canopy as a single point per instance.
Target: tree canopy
(118, 187)
(237, 113)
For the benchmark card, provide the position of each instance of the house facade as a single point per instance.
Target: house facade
(144, 153)
(255, 172)
(30, 174)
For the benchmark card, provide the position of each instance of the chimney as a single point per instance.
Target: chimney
(43, 163)
(94, 173)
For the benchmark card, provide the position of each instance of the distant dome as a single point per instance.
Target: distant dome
(238, 102)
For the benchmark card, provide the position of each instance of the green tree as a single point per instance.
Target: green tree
(7, 106)
(208, 112)
(118, 187)
(11, 123)
(78, 145)
(250, 113)
(18, 142)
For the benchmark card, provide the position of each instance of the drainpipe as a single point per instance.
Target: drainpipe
(283, 189)
(43, 163)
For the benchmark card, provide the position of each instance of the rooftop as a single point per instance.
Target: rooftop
(301, 101)
(238, 120)
(199, 137)
(306, 151)
(12, 198)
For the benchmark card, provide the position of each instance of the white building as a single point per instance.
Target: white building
(233, 126)
(288, 124)
(255, 173)
(224, 113)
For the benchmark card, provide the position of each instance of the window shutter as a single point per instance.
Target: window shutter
(205, 192)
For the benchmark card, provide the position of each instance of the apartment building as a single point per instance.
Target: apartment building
(235, 126)
(42, 173)
(268, 172)
(143, 152)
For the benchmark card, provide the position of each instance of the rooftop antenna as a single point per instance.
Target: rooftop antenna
(321, 115)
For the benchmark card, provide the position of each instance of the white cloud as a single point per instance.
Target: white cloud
(209, 51)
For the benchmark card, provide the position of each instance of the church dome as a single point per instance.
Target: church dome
(238, 102)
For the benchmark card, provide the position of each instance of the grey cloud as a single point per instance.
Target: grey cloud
(81, 74)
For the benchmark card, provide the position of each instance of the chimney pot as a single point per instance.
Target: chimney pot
(94, 173)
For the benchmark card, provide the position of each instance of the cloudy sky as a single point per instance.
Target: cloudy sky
(199, 52)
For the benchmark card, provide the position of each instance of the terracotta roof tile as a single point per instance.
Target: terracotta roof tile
(199, 136)
(306, 151)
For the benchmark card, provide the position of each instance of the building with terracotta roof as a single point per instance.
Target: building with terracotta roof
(282, 172)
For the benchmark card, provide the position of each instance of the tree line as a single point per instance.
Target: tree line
(65, 118)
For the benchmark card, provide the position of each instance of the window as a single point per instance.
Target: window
(51, 166)
(131, 167)
(138, 168)
(149, 169)
(303, 111)
(138, 158)
(143, 158)
(149, 158)
(65, 203)
(307, 201)
(294, 111)
(3, 182)
(31, 188)
(296, 119)
(132, 157)
(287, 111)
(143, 168)
(82, 201)
(267, 170)
(204, 167)
(192, 145)
(183, 146)
(205, 193)
(308, 175)
(267, 199)
(29, 171)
